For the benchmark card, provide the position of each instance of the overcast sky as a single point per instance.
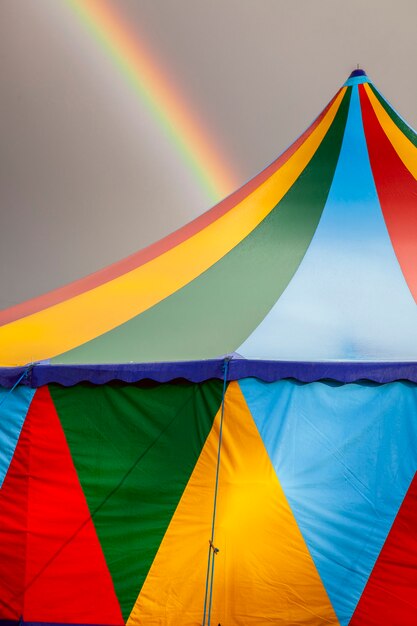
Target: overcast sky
(86, 174)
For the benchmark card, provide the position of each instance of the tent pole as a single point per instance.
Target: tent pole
(212, 551)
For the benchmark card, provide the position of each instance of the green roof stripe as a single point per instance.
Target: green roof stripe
(217, 311)
(402, 125)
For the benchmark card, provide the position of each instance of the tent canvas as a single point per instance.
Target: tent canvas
(220, 429)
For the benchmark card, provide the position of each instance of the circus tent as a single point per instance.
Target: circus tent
(220, 428)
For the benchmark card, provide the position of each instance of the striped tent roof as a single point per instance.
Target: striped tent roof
(314, 259)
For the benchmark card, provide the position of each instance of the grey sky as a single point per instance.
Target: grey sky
(87, 177)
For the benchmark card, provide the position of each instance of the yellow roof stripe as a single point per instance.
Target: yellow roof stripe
(401, 144)
(71, 323)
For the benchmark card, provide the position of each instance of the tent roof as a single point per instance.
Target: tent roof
(312, 261)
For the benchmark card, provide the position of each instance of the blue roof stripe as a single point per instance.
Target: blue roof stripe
(348, 299)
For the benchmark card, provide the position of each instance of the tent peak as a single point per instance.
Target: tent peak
(357, 72)
(357, 77)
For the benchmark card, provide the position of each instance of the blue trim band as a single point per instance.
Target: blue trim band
(356, 80)
(198, 371)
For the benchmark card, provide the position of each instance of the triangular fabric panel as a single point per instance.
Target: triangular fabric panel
(14, 405)
(264, 573)
(47, 538)
(345, 457)
(390, 597)
(134, 449)
(13, 525)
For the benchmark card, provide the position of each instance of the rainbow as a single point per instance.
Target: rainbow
(166, 105)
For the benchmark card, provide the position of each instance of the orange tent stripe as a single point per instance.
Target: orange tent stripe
(71, 323)
(263, 569)
(402, 145)
(163, 245)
